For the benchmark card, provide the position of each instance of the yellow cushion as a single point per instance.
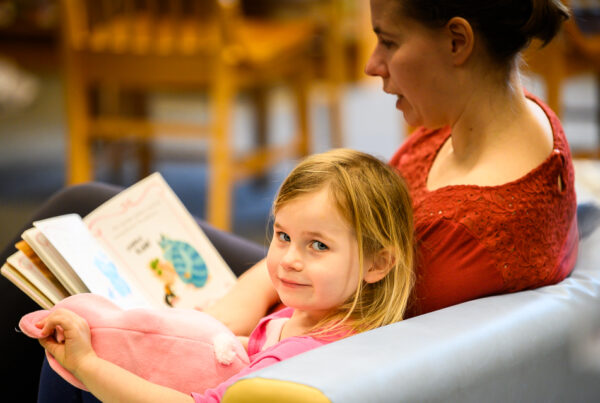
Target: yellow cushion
(272, 390)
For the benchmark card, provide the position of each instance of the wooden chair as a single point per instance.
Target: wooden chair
(199, 45)
(572, 52)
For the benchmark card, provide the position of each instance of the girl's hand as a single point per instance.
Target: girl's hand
(67, 338)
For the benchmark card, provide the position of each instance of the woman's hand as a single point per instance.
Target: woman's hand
(67, 337)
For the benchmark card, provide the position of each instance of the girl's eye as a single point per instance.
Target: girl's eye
(316, 245)
(283, 236)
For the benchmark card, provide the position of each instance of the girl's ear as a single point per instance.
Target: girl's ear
(462, 39)
(381, 264)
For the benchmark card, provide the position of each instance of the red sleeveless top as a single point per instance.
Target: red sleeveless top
(474, 241)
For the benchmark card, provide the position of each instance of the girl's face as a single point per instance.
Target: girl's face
(313, 257)
(412, 61)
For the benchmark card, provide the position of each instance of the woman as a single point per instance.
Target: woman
(489, 170)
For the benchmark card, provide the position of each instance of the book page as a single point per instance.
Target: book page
(30, 253)
(54, 261)
(150, 234)
(24, 285)
(43, 280)
(71, 238)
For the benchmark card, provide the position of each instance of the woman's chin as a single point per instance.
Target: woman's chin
(399, 103)
(411, 120)
(409, 117)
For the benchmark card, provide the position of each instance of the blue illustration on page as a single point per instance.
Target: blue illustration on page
(108, 268)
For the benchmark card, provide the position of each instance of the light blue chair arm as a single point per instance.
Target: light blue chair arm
(527, 346)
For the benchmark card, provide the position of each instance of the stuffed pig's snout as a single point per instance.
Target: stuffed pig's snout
(27, 324)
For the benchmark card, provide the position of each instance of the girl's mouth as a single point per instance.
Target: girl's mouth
(291, 283)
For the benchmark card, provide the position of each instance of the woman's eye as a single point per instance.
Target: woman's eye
(316, 245)
(283, 237)
(385, 43)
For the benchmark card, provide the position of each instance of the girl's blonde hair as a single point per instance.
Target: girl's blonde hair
(374, 200)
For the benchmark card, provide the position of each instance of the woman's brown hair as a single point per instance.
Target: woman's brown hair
(506, 26)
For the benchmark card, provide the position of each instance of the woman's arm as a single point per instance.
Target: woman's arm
(247, 302)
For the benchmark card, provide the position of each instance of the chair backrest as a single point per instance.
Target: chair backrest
(582, 30)
(156, 27)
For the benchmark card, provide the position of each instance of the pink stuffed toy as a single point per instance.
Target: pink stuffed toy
(183, 349)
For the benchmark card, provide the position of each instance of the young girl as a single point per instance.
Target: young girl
(341, 260)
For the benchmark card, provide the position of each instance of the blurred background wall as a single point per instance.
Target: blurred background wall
(34, 135)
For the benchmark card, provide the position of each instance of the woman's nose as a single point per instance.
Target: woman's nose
(375, 66)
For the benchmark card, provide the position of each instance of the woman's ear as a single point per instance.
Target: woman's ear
(381, 264)
(462, 39)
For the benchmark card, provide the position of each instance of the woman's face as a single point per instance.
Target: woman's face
(413, 62)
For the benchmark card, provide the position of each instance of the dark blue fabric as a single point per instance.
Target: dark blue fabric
(54, 389)
(588, 219)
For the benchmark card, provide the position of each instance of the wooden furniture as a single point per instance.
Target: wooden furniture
(115, 46)
(572, 52)
(346, 42)
(28, 34)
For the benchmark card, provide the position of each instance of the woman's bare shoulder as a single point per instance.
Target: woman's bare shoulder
(526, 145)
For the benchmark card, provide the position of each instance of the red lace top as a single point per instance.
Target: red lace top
(475, 241)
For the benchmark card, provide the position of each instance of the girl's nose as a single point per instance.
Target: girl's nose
(292, 259)
(375, 66)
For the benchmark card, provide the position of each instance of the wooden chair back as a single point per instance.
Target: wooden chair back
(206, 45)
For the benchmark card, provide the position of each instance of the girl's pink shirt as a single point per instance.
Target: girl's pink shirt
(260, 359)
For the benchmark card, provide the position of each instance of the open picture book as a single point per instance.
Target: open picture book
(141, 248)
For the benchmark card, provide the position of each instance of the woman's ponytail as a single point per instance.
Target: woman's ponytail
(545, 19)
